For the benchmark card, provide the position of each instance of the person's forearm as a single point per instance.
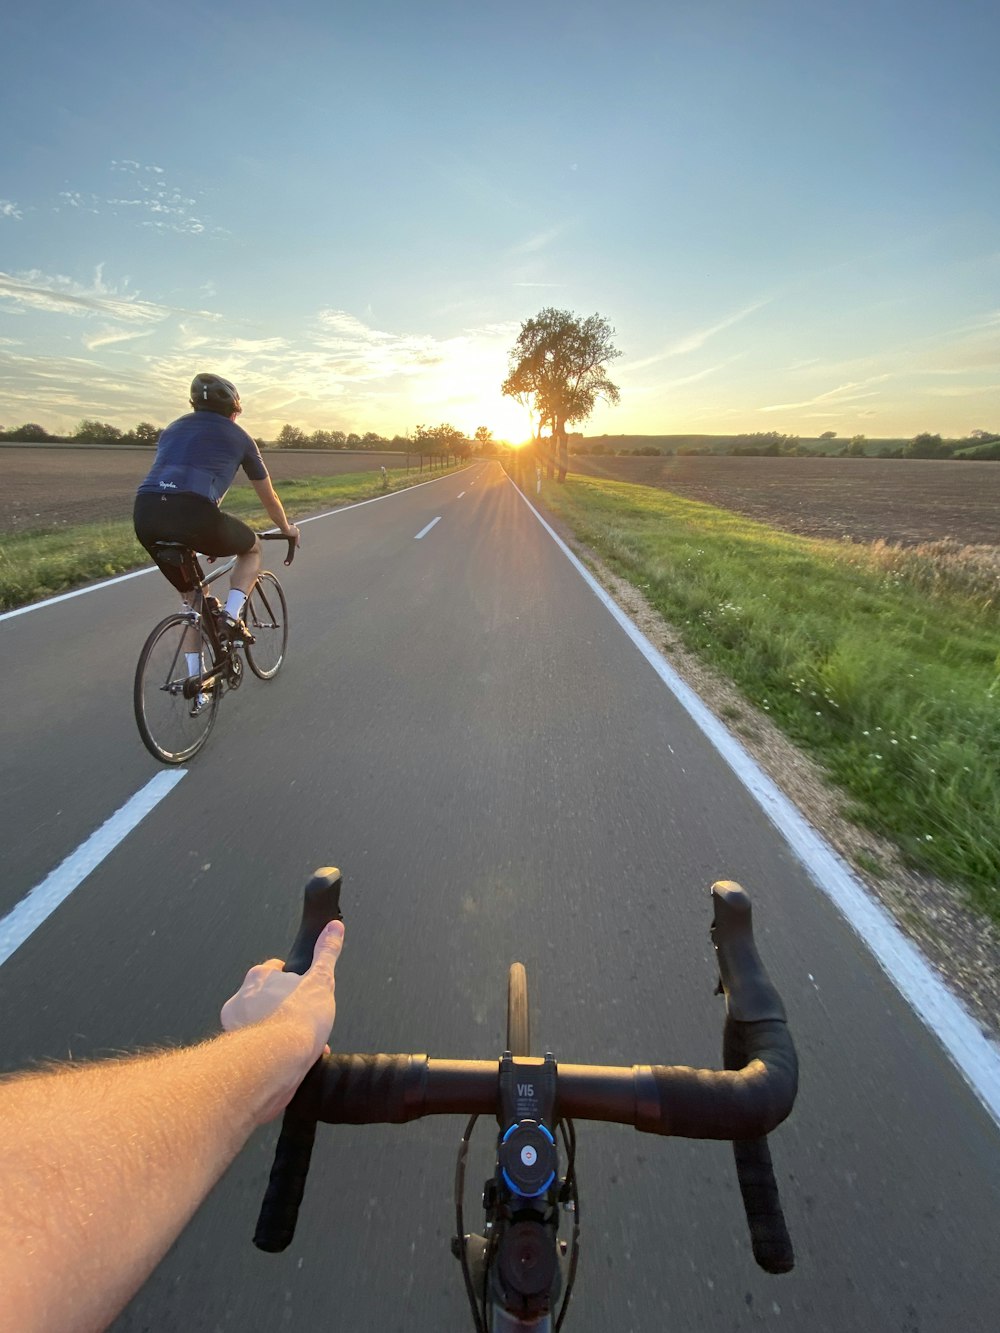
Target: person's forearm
(275, 510)
(80, 1230)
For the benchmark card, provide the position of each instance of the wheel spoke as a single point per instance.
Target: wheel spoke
(172, 727)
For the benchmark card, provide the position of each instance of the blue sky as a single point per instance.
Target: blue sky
(789, 212)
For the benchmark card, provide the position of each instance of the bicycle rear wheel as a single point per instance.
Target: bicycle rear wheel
(168, 729)
(266, 617)
(518, 1034)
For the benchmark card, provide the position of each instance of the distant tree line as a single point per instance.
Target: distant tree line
(445, 439)
(979, 444)
(439, 440)
(88, 432)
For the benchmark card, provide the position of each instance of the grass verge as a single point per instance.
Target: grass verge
(881, 666)
(42, 563)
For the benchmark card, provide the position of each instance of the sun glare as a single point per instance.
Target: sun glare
(504, 418)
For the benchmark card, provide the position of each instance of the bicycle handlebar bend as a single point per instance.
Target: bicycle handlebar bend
(277, 537)
(743, 1102)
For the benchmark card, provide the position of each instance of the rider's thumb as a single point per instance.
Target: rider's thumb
(328, 947)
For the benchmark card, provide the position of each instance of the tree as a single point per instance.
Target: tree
(557, 370)
(829, 435)
(927, 446)
(30, 433)
(146, 433)
(856, 448)
(97, 432)
(290, 437)
(443, 439)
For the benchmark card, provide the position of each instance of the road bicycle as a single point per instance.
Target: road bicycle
(175, 708)
(519, 1271)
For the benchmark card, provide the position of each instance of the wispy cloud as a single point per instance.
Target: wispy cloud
(696, 339)
(843, 393)
(153, 201)
(9, 210)
(352, 349)
(61, 295)
(107, 337)
(539, 241)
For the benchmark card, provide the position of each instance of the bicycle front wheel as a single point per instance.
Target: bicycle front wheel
(518, 1034)
(171, 725)
(266, 617)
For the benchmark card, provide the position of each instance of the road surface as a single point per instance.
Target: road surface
(466, 731)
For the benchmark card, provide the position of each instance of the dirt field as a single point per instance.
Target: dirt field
(901, 500)
(56, 487)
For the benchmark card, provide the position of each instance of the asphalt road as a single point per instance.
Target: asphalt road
(466, 731)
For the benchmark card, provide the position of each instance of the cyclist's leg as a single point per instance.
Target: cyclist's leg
(241, 541)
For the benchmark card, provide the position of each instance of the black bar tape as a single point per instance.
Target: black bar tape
(372, 1089)
(280, 1209)
(772, 1245)
(769, 1238)
(280, 536)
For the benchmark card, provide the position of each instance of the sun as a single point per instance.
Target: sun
(505, 419)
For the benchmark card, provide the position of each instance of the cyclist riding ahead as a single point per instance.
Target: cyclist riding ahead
(196, 460)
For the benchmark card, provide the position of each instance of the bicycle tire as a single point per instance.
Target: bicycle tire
(266, 617)
(162, 713)
(518, 1028)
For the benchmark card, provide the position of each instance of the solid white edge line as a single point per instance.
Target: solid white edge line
(39, 904)
(424, 531)
(976, 1057)
(150, 569)
(77, 592)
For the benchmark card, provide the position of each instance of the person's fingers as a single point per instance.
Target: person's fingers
(326, 953)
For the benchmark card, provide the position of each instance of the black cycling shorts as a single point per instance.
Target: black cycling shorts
(192, 520)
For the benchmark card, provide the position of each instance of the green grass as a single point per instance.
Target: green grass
(39, 564)
(882, 665)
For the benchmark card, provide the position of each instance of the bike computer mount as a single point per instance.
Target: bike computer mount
(517, 1264)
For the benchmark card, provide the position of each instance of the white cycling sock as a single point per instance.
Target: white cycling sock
(194, 663)
(234, 602)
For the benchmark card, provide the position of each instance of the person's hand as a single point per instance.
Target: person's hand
(292, 531)
(305, 1002)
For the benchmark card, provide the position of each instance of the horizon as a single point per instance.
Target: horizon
(791, 219)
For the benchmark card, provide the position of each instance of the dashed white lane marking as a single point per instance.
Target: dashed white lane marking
(424, 531)
(43, 900)
(151, 569)
(460, 494)
(976, 1057)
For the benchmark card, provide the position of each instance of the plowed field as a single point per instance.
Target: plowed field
(52, 487)
(900, 500)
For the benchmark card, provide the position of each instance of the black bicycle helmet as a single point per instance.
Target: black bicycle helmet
(211, 393)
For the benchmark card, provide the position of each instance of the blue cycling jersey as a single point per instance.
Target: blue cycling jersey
(199, 454)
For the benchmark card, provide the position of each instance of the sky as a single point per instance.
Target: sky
(788, 211)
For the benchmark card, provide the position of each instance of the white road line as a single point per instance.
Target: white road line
(43, 900)
(150, 569)
(77, 592)
(424, 531)
(460, 494)
(976, 1057)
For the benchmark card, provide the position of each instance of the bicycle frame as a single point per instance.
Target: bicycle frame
(199, 599)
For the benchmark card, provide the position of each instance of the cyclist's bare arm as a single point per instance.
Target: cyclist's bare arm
(268, 497)
(104, 1164)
